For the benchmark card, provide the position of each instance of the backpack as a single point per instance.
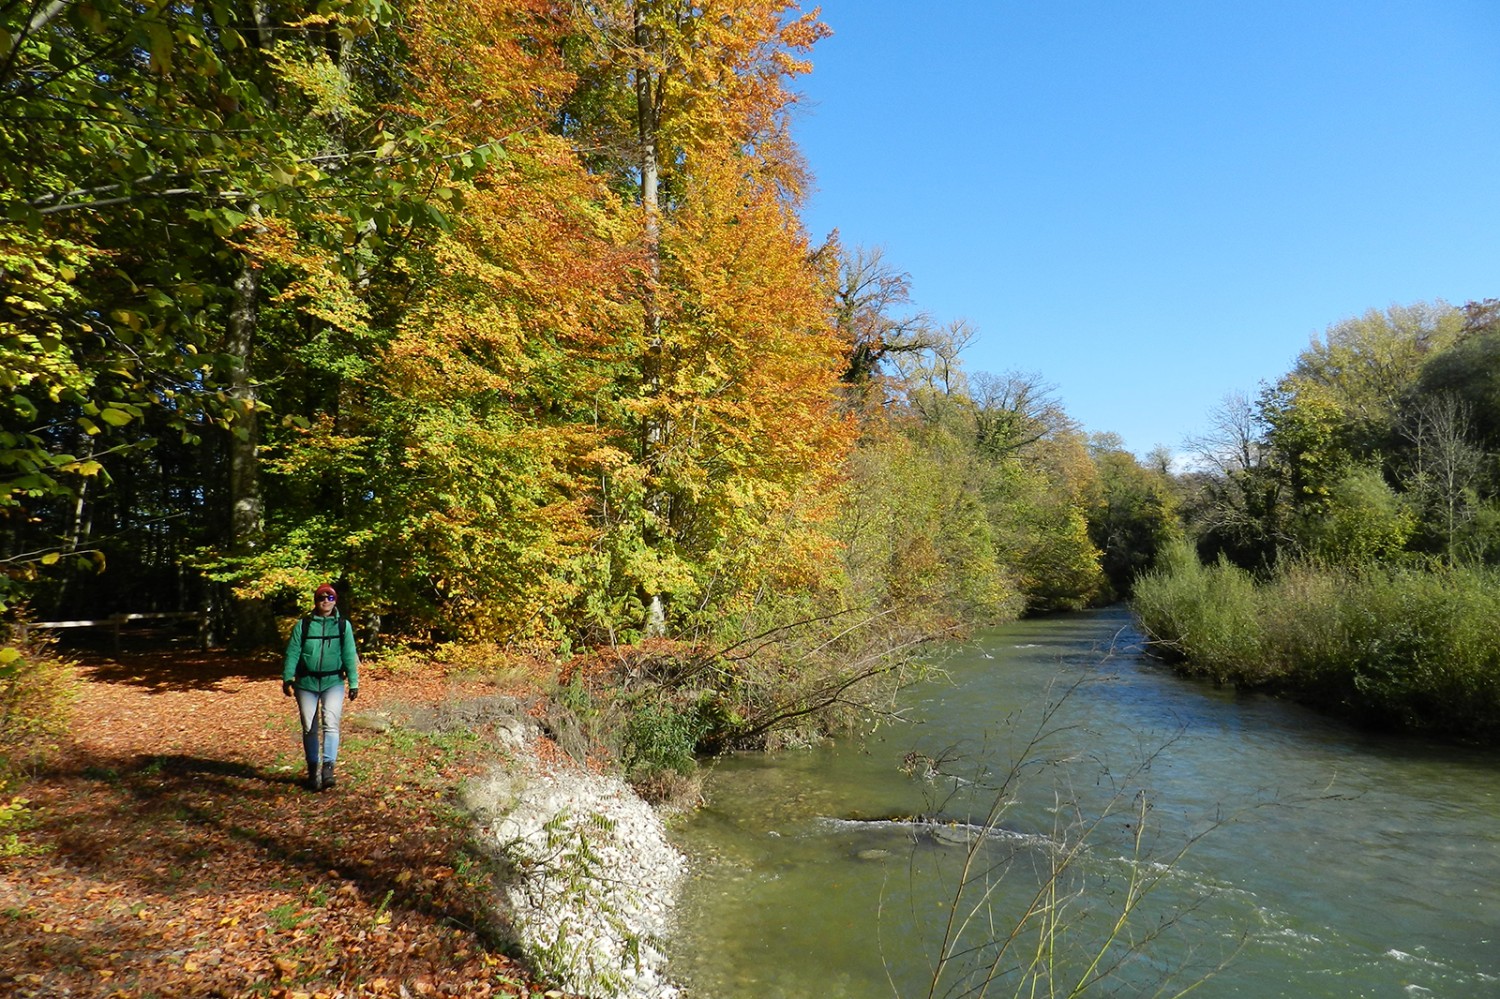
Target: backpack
(341, 634)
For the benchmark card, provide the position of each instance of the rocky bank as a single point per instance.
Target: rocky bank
(589, 878)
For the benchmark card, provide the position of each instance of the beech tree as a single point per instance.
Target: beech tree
(251, 186)
(136, 142)
(683, 109)
(500, 314)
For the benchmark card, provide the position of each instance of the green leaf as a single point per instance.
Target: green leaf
(115, 417)
(161, 42)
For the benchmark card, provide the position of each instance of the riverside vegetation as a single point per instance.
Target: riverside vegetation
(1344, 541)
(1392, 646)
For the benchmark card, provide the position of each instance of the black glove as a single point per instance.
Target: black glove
(286, 688)
(353, 693)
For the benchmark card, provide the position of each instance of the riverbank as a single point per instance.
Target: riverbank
(170, 848)
(590, 880)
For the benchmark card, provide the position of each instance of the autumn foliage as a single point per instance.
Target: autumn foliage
(500, 314)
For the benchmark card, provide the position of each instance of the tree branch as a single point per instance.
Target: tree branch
(51, 204)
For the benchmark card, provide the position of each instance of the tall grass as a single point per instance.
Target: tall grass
(1396, 646)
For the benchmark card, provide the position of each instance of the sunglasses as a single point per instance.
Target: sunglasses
(330, 599)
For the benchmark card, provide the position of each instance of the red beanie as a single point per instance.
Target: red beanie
(325, 588)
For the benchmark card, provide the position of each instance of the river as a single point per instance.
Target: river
(1259, 848)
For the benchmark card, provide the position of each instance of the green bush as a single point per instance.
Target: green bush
(1423, 648)
(661, 738)
(37, 690)
(1399, 646)
(1207, 616)
(14, 812)
(1304, 641)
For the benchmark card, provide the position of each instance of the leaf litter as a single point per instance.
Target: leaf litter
(174, 850)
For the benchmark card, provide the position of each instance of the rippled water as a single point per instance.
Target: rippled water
(1321, 861)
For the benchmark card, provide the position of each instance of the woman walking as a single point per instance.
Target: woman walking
(320, 655)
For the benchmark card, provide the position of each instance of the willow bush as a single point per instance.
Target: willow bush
(1206, 616)
(1423, 650)
(1408, 647)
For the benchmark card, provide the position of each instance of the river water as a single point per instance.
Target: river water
(1094, 816)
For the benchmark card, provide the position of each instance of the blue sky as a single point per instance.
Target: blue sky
(1153, 204)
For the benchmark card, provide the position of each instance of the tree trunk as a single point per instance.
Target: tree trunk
(253, 622)
(653, 426)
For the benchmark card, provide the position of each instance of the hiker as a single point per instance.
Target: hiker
(319, 655)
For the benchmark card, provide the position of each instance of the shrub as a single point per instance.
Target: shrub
(14, 811)
(37, 690)
(662, 738)
(1305, 631)
(1423, 648)
(1208, 616)
(1401, 646)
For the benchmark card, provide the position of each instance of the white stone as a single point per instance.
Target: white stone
(593, 880)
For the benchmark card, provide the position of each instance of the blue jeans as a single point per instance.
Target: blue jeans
(333, 714)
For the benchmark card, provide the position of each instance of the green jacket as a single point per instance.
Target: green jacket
(325, 655)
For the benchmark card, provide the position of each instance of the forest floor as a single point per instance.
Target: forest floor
(173, 848)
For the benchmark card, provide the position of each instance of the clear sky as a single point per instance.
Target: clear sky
(1154, 203)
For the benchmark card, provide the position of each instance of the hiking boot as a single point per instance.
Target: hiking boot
(314, 777)
(328, 780)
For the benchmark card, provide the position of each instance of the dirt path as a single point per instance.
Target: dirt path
(175, 852)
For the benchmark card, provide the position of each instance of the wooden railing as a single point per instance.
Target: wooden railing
(115, 622)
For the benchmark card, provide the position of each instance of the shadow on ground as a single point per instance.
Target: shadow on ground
(177, 669)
